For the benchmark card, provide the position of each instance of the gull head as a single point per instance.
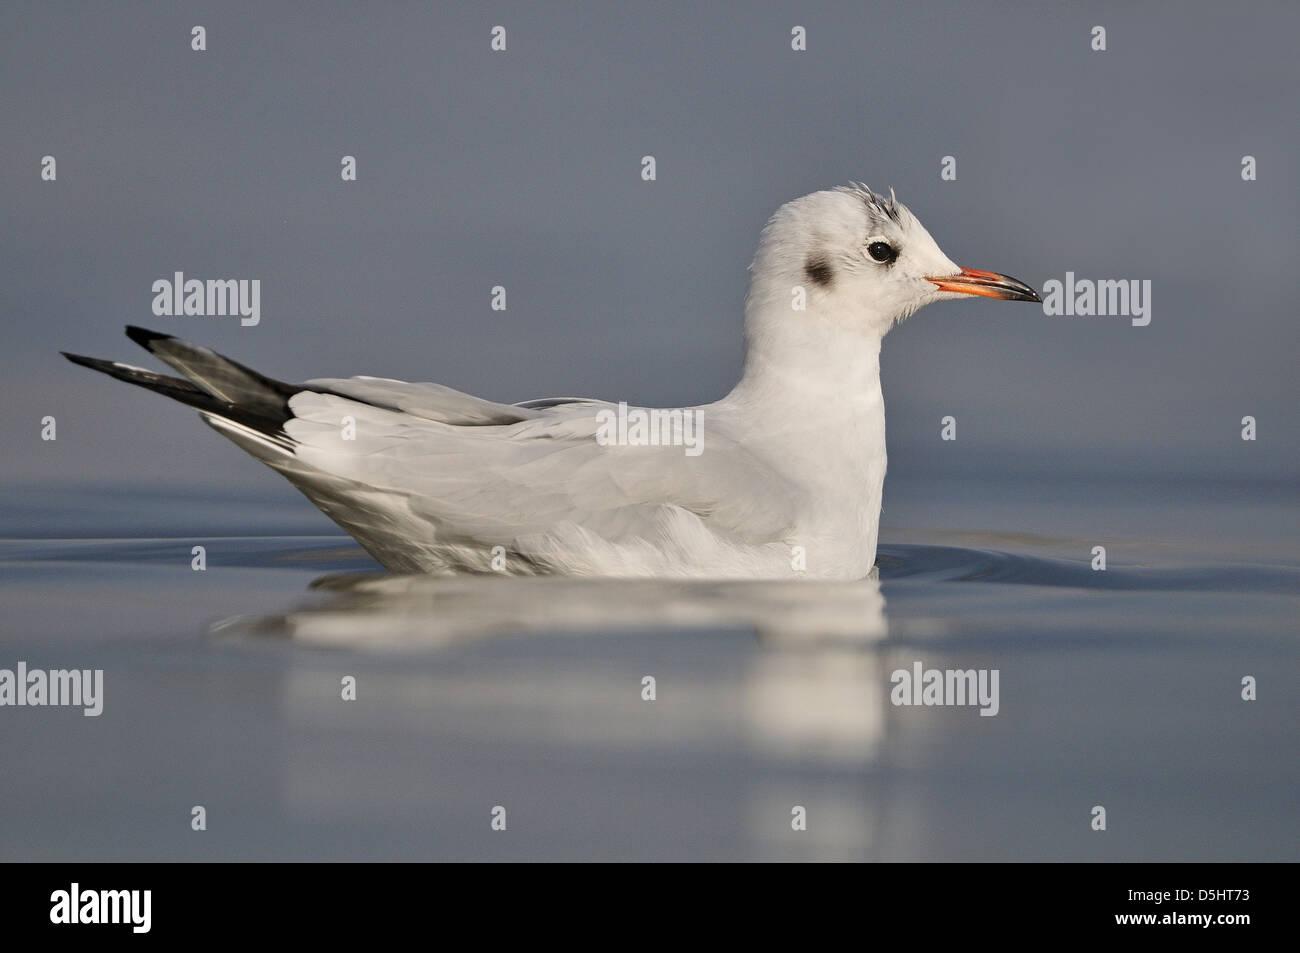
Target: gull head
(849, 259)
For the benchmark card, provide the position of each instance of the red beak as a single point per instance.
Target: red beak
(989, 284)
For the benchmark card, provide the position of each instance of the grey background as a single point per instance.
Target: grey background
(522, 169)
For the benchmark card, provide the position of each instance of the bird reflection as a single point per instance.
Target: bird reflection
(807, 695)
(372, 611)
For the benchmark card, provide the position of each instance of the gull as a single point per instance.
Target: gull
(786, 482)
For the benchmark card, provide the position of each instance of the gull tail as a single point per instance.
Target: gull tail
(235, 399)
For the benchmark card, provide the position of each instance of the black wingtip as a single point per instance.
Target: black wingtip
(144, 337)
(83, 360)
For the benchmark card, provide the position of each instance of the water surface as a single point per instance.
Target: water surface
(223, 688)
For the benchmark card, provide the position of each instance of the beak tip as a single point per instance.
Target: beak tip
(987, 284)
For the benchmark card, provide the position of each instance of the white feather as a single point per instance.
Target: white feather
(788, 485)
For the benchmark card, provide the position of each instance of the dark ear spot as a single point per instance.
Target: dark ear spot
(818, 270)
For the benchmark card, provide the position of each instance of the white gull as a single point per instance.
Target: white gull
(789, 476)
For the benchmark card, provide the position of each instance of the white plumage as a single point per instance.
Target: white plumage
(788, 483)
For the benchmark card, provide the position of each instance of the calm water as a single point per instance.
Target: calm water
(222, 688)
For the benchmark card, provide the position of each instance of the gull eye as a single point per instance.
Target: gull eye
(882, 252)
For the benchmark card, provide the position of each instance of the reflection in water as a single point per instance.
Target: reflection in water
(823, 709)
(529, 693)
(825, 705)
(377, 612)
(529, 690)
(810, 694)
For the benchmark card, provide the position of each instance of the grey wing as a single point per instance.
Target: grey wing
(501, 481)
(546, 403)
(425, 400)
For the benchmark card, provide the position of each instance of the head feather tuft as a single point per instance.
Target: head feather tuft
(881, 208)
